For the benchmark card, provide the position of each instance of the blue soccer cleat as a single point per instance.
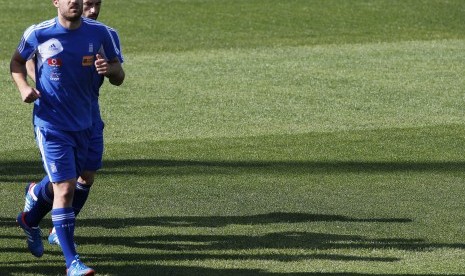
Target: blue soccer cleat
(30, 197)
(77, 268)
(34, 236)
(53, 238)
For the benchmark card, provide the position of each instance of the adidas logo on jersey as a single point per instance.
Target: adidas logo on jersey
(50, 48)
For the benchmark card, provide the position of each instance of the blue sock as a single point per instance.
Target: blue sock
(63, 220)
(43, 185)
(80, 197)
(43, 205)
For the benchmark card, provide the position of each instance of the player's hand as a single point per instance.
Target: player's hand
(101, 65)
(29, 94)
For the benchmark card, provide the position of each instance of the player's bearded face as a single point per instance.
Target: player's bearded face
(70, 9)
(91, 8)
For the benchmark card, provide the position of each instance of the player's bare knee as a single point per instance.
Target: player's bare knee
(64, 190)
(87, 178)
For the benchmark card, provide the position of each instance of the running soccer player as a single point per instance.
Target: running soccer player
(91, 9)
(67, 55)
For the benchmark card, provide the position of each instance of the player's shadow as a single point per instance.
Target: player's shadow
(215, 221)
(182, 248)
(43, 268)
(221, 221)
(297, 240)
(160, 167)
(26, 171)
(292, 240)
(200, 247)
(161, 270)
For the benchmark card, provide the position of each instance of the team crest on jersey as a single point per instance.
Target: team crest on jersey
(87, 60)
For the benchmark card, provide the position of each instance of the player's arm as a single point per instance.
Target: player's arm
(19, 74)
(111, 69)
(30, 67)
(116, 73)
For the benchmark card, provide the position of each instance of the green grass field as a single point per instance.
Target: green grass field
(262, 137)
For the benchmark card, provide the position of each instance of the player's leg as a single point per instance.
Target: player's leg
(92, 164)
(59, 153)
(87, 176)
(85, 181)
(35, 211)
(39, 192)
(83, 186)
(63, 218)
(80, 196)
(37, 205)
(64, 154)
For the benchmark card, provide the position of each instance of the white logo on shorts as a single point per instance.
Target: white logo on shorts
(53, 167)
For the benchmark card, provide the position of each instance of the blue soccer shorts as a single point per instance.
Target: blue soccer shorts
(95, 153)
(63, 152)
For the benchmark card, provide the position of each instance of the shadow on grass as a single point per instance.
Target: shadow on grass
(214, 221)
(185, 248)
(178, 270)
(182, 248)
(26, 171)
(272, 241)
(136, 270)
(192, 167)
(161, 270)
(149, 270)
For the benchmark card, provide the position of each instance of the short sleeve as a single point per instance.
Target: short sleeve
(28, 45)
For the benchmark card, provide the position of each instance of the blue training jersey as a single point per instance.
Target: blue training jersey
(96, 117)
(65, 70)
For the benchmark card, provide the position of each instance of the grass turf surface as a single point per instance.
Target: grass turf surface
(263, 137)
